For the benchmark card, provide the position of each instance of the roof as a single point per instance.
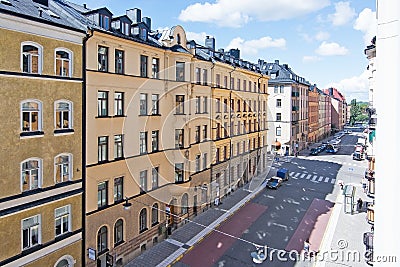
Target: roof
(281, 73)
(56, 12)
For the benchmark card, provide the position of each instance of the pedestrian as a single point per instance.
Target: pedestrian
(359, 204)
(306, 247)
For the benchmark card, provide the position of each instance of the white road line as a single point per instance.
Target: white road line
(308, 176)
(314, 178)
(302, 176)
(326, 179)
(297, 174)
(333, 180)
(320, 178)
(291, 173)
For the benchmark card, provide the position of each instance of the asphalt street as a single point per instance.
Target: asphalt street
(296, 211)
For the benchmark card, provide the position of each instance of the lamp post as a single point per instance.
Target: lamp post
(127, 205)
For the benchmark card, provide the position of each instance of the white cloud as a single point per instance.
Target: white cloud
(355, 87)
(311, 58)
(235, 13)
(321, 36)
(366, 23)
(331, 49)
(343, 14)
(252, 47)
(197, 37)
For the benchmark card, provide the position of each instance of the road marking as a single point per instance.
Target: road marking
(333, 180)
(291, 173)
(297, 174)
(302, 176)
(308, 176)
(326, 179)
(314, 178)
(320, 178)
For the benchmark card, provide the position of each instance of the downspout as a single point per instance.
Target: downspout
(258, 128)
(230, 129)
(211, 120)
(84, 124)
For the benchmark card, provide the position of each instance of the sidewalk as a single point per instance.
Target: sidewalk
(181, 240)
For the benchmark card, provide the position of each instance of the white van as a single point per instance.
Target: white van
(361, 142)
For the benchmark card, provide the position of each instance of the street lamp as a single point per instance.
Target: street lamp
(127, 205)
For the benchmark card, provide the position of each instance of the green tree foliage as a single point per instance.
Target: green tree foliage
(358, 112)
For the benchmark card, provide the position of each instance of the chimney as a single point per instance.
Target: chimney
(235, 53)
(42, 2)
(286, 66)
(147, 21)
(210, 42)
(277, 61)
(135, 14)
(84, 6)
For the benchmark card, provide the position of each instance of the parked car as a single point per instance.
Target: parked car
(331, 148)
(322, 147)
(274, 182)
(283, 173)
(314, 151)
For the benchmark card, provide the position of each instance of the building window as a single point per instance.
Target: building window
(197, 104)
(102, 148)
(104, 22)
(31, 174)
(278, 116)
(205, 104)
(63, 115)
(31, 232)
(143, 104)
(155, 104)
(63, 168)
(218, 105)
(118, 232)
(102, 192)
(204, 132)
(225, 105)
(278, 131)
(155, 68)
(179, 104)
(205, 78)
(31, 114)
(143, 142)
(118, 104)
(281, 88)
(154, 214)
(179, 138)
(118, 146)
(102, 103)
(232, 83)
(197, 163)
(102, 55)
(276, 89)
(180, 71)
(184, 203)
(218, 155)
(178, 172)
(197, 134)
(238, 84)
(62, 218)
(102, 240)
(154, 141)
(143, 220)
(63, 63)
(118, 189)
(198, 75)
(244, 85)
(143, 181)
(204, 161)
(143, 66)
(218, 80)
(225, 81)
(31, 58)
(238, 105)
(125, 28)
(154, 178)
(218, 131)
(119, 61)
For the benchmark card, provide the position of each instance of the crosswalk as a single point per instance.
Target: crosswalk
(312, 177)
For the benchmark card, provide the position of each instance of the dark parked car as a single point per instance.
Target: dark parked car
(274, 182)
(314, 151)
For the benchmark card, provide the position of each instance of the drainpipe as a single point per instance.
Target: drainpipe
(230, 130)
(211, 120)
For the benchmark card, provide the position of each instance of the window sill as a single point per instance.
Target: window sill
(143, 115)
(118, 243)
(31, 134)
(179, 182)
(103, 161)
(103, 252)
(119, 116)
(100, 117)
(154, 224)
(63, 131)
(143, 230)
(180, 114)
(156, 115)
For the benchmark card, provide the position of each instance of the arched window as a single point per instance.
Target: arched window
(118, 232)
(154, 214)
(31, 116)
(31, 174)
(65, 261)
(31, 57)
(63, 62)
(102, 239)
(143, 220)
(178, 38)
(63, 168)
(63, 115)
(184, 203)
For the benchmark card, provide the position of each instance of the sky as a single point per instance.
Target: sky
(321, 40)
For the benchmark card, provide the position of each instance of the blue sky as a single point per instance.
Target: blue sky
(321, 40)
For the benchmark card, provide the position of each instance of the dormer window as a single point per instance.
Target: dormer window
(125, 28)
(143, 34)
(178, 38)
(104, 22)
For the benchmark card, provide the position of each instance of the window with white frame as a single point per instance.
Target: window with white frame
(62, 217)
(63, 168)
(197, 104)
(278, 131)
(102, 103)
(279, 103)
(198, 75)
(118, 232)
(155, 104)
(63, 62)
(179, 172)
(143, 104)
(118, 104)
(31, 116)
(205, 104)
(102, 148)
(154, 214)
(31, 61)
(204, 161)
(63, 115)
(180, 71)
(143, 142)
(143, 220)
(102, 236)
(118, 188)
(278, 116)
(154, 178)
(31, 174)
(197, 163)
(118, 146)
(102, 194)
(143, 181)
(31, 232)
(119, 61)
(102, 57)
(155, 68)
